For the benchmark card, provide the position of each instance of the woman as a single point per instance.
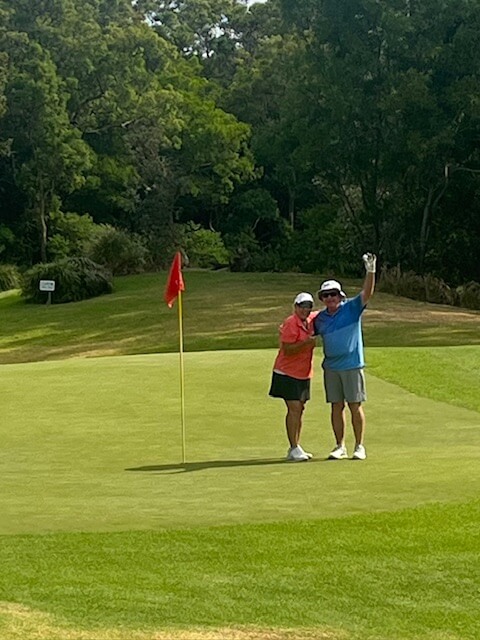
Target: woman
(293, 370)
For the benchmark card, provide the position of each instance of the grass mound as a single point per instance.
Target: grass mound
(222, 310)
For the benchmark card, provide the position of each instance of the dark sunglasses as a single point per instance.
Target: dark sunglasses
(329, 294)
(305, 305)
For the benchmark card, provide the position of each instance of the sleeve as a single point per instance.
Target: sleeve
(289, 331)
(356, 305)
(316, 324)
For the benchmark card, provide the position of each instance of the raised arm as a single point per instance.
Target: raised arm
(370, 262)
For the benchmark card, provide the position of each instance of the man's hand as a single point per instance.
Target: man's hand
(370, 262)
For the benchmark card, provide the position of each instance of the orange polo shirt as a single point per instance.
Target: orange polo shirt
(297, 365)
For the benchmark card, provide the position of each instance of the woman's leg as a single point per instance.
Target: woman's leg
(293, 421)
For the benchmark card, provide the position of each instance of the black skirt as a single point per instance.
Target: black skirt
(289, 388)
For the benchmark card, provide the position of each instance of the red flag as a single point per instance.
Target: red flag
(175, 282)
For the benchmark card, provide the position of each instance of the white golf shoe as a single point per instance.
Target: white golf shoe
(359, 453)
(297, 454)
(339, 453)
(309, 455)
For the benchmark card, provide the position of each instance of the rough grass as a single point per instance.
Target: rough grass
(222, 310)
(18, 622)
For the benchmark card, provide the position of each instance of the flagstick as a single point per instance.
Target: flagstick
(182, 374)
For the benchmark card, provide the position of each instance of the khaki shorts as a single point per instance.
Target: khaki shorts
(344, 386)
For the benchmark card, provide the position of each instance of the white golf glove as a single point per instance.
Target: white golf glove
(370, 262)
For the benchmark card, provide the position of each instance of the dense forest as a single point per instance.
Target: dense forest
(278, 135)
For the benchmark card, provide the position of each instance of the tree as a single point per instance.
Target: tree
(384, 111)
(205, 29)
(119, 116)
(47, 155)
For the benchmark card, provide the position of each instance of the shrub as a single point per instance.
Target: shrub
(161, 244)
(7, 239)
(70, 235)
(408, 284)
(9, 277)
(244, 251)
(121, 252)
(204, 248)
(75, 279)
(469, 295)
(428, 288)
(437, 291)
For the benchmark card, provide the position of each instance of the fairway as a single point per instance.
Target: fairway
(105, 534)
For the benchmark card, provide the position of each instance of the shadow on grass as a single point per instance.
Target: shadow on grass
(184, 467)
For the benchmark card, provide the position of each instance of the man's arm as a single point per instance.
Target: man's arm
(291, 348)
(370, 262)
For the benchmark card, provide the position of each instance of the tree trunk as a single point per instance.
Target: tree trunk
(43, 230)
(424, 230)
(291, 206)
(428, 210)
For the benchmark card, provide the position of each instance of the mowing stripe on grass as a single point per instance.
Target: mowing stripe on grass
(411, 574)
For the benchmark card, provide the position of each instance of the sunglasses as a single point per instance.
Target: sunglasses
(305, 305)
(329, 294)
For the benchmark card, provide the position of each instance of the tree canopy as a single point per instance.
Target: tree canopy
(303, 133)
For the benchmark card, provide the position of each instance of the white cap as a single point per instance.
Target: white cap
(304, 297)
(331, 285)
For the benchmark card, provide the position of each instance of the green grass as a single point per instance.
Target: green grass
(446, 374)
(406, 578)
(96, 446)
(103, 529)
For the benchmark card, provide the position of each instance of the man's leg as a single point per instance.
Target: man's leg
(358, 421)
(338, 422)
(335, 397)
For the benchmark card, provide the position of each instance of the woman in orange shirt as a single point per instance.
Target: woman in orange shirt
(293, 370)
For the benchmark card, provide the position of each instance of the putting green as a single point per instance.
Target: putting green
(95, 445)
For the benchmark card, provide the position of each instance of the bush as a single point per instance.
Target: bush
(121, 252)
(408, 284)
(7, 240)
(437, 291)
(75, 279)
(204, 248)
(9, 277)
(161, 244)
(70, 235)
(244, 251)
(428, 288)
(469, 295)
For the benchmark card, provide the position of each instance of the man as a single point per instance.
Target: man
(339, 325)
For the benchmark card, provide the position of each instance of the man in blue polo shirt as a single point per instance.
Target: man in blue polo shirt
(339, 325)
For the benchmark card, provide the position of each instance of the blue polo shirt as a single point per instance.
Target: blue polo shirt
(342, 335)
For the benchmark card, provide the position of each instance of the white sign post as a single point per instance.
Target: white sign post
(49, 287)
